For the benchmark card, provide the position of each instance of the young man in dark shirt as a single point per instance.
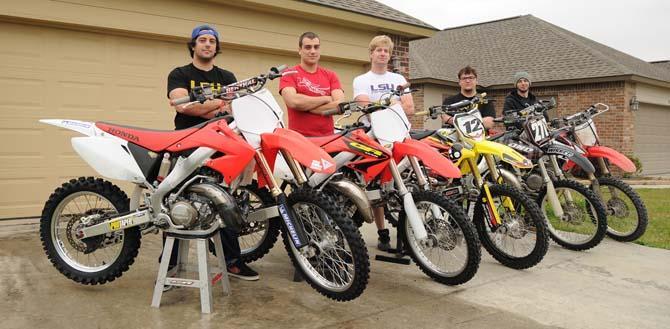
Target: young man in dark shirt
(204, 46)
(520, 97)
(467, 80)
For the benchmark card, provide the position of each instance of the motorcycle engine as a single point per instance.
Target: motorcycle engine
(193, 210)
(533, 181)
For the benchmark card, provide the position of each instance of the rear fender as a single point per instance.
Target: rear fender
(572, 155)
(304, 151)
(108, 157)
(428, 155)
(612, 156)
(82, 127)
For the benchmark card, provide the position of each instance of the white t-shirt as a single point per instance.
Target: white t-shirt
(375, 85)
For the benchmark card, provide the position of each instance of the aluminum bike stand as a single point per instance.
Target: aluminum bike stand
(207, 275)
(399, 254)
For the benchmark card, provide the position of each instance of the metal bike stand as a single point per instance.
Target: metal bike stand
(207, 275)
(399, 252)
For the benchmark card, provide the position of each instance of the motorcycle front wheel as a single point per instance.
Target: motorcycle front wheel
(339, 268)
(453, 253)
(584, 222)
(521, 240)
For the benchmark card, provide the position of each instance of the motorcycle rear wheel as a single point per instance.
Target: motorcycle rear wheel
(99, 259)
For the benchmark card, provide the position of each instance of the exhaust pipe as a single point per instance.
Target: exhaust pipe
(356, 194)
(225, 204)
(510, 178)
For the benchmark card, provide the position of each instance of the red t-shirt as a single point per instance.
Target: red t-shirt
(320, 83)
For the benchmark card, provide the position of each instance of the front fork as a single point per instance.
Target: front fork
(423, 182)
(551, 190)
(408, 204)
(292, 224)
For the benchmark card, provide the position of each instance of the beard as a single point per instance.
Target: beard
(206, 58)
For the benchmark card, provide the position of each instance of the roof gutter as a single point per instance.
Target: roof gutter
(306, 10)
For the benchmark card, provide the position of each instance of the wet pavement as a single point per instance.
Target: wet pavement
(615, 285)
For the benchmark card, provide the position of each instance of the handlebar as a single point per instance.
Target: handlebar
(232, 91)
(452, 109)
(590, 112)
(182, 100)
(331, 112)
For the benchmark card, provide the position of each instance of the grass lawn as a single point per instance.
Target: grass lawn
(658, 208)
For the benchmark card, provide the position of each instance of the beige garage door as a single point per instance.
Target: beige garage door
(652, 138)
(58, 73)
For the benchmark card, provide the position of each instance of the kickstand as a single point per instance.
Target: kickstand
(398, 251)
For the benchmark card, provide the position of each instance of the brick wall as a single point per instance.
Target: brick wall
(400, 56)
(417, 121)
(615, 128)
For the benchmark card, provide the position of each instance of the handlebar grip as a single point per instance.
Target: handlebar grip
(330, 112)
(279, 68)
(182, 100)
(403, 87)
(422, 113)
(499, 120)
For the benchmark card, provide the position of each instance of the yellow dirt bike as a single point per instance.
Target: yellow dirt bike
(510, 224)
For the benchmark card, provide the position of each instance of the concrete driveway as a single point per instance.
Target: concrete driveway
(615, 285)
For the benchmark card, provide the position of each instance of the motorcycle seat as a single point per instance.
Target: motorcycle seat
(152, 139)
(420, 134)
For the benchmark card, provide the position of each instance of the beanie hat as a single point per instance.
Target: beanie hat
(521, 75)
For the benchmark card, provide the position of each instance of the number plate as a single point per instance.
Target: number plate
(470, 125)
(539, 129)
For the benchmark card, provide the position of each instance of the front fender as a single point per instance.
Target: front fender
(572, 155)
(304, 151)
(428, 155)
(612, 156)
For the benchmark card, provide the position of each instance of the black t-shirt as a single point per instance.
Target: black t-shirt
(515, 102)
(486, 110)
(190, 76)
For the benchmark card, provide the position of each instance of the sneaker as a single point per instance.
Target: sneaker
(384, 240)
(240, 270)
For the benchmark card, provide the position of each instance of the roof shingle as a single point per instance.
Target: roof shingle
(373, 8)
(500, 48)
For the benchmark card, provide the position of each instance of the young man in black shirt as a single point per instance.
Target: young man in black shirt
(520, 97)
(467, 80)
(204, 46)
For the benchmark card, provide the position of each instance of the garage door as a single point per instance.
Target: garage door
(652, 138)
(59, 73)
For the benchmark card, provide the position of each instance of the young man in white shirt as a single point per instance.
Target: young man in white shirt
(370, 87)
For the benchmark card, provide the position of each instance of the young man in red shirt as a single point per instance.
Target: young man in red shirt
(311, 91)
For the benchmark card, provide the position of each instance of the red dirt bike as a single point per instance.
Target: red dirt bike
(184, 185)
(627, 214)
(434, 230)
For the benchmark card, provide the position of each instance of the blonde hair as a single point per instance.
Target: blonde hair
(381, 41)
